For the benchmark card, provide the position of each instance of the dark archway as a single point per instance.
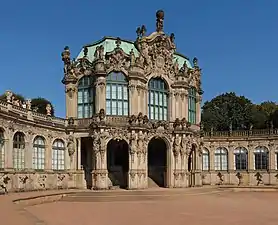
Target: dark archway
(191, 163)
(87, 159)
(118, 162)
(157, 162)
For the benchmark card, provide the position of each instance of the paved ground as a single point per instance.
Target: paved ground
(194, 207)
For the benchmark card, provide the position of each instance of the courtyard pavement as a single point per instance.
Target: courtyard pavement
(201, 206)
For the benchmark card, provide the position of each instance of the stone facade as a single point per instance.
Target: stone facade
(139, 143)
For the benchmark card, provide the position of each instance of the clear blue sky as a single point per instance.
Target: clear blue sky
(235, 41)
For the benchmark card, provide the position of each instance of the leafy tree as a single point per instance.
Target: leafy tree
(225, 110)
(40, 104)
(17, 97)
(259, 118)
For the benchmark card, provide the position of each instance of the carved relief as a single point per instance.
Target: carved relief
(177, 146)
(71, 147)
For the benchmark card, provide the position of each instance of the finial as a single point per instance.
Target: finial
(118, 42)
(159, 20)
(172, 37)
(138, 32)
(66, 55)
(143, 30)
(195, 62)
(85, 51)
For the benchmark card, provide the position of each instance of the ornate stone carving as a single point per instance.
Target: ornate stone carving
(117, 60)
(48, 110)
(99, 53)
(71, 147)
(159, 20)
(70, 91)
(133, 145)
(42, 180)
(177, 146)
(23, 179)
(4, 181)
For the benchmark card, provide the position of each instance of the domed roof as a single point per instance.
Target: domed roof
(109, 44)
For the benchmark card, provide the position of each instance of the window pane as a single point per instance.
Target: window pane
(114, 92)
(108, 107)
(120, 93)
(108, 92)
(114, 107)
(125, 93)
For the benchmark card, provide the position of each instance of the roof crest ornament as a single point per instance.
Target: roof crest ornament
(159, 20)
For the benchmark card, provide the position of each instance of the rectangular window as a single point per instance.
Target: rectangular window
(125, 93)
(80, 97)
(108, 107)
(205, 162)
(120, 92)
(125, 108)
(114, 91)
(114, 107)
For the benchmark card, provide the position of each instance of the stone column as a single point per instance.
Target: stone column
(9, 149)
(271, 163)
(100, 97)
(186, 104)
(133, 99)
(231, 162)
(198, 109)
(251, 165)
(133, 162)
(71, 100)
(28, 154)
(100, 174)
(48, 154)
(177, 106)
(78, 154)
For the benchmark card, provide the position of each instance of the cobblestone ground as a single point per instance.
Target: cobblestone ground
(210, 208)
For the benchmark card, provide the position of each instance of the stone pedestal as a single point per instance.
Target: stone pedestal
(100, 178)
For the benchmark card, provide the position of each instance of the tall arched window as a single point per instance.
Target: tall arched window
(116, 94)
(192, 105)
(58, 155)
(205, 159)
(2, 149)
(158, 99)
(241, 158)
(39, 153)
(221, 159)
(261, 158)
(85, 102)
(19, 151)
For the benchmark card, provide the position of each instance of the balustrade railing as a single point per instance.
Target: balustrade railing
(4, 106)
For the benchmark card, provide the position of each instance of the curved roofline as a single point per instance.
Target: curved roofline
(107, 37)
(179, 54)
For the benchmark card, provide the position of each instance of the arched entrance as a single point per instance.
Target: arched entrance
(192, 166)
(118, 163)
(157, 163)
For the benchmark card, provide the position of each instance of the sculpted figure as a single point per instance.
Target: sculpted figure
(9, 96)
(132, 57)
(48, 110)
(176, 146)
(71, 147)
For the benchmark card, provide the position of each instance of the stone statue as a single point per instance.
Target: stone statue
(101, 115)
(9, 96)
(132, 57)
(71, 147)
(99, 53)
(177, 146)
(195, 62)
(48, 110)
(66, 59)
(176, 67)
(183, 146)
(159, 20)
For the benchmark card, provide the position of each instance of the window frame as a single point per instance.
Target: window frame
(58, 155)
(85, 87)
(241, 155)
(206, 153)
(117, 83)
(263, 153)
(192, 105)
(19, 151)
(38, 156)
(2, 150)
(220, 153)
(158, 87)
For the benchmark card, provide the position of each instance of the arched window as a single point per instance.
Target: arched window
(192, 105)
(58, 155)
(205, 159)
(221, 159)
(158, 99)
(261, 158)
(19, 151)
(116, 95)
(2, 150)
(85, 96)
(241, 158)
(39, 153)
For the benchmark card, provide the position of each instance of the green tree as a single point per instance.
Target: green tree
(40, 104)
(259, 118)
(225, 110)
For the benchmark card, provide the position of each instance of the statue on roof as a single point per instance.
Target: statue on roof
(159, 20)
(99, 53)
